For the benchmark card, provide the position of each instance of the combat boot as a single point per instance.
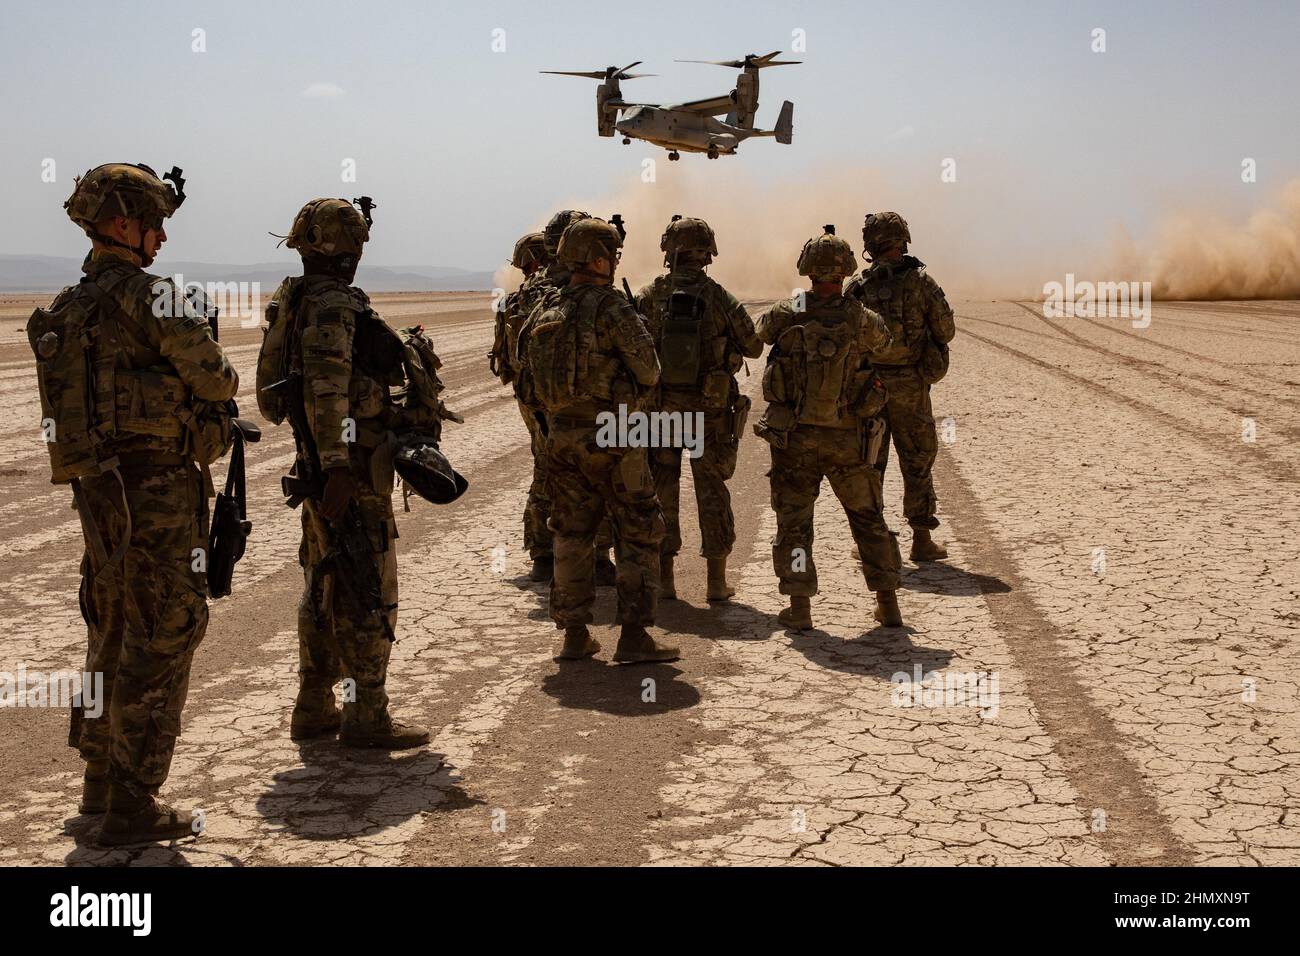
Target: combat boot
(94, 788)
(132, 819)
(304, 726)
(798, 616)
(388, 735)
(578, 643)
(315, 713)
(636, 646)
(719, 589)
(543, 568)
(667, 586)
(606, 573)
(924, 548)
(887, 612)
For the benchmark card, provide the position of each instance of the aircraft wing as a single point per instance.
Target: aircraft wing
(713, 106)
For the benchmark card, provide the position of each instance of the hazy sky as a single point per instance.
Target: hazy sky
(465, 148)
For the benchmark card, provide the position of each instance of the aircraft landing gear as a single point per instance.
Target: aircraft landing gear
(713, 152)
(674, 155)
(626, 141)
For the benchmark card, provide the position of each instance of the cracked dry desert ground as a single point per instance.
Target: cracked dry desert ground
(1125, 693)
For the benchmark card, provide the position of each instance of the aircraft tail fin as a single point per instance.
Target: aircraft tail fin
(785, 124)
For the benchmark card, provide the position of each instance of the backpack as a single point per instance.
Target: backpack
(420, 397)
(559, 342)
(275, 358)
(830, 360)
(79, 386)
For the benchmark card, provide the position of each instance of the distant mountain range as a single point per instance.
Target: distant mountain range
(51, 273)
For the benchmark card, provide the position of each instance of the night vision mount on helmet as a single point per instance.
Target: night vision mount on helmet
(827, 256)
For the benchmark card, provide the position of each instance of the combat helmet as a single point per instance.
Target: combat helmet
(561, 221)
(426, 470)
(882, 230)
(132, 190)
(529, 250)
(329, 227)
(687, 235)
(587, 240)
(827, 255)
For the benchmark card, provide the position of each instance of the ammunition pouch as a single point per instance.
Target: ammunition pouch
(776, 424)
(148, 402)
(934, 361)
(867, 394)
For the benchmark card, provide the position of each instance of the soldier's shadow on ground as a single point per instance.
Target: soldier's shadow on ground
(939, 578)
(718, 620)
(83, 829)
(341, 793)
(881, 652)
(619, 689)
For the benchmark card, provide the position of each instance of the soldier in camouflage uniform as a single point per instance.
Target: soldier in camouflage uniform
(163, 418)
(589, 352)
(702, 335)
(920, 320)
(529, 257)
(546, 282)
(822, 420)
(349, 360)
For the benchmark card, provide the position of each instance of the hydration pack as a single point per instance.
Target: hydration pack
(681, 340)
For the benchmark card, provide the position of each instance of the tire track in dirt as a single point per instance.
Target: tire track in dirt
(1272, 466)
(1158, 371)
(1086, 738)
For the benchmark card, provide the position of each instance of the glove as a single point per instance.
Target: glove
(340, 489)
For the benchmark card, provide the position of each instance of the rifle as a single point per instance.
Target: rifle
(229, 528)
(350, 558)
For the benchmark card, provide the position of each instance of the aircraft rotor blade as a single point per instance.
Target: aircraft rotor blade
(758, 62)
(589, 75)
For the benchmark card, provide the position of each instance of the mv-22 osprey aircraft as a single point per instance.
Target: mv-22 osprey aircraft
(689, 126)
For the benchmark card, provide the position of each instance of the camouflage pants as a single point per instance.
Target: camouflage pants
(587, 483)
(909, 419)
(146, 617)
(537, 512)
(812, 454)
(710, 472)
(337, 636)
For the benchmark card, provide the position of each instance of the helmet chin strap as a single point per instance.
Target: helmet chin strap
(137, 251)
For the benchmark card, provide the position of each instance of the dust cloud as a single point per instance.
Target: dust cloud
(762, 226)
(1197, 255)
(995, 242)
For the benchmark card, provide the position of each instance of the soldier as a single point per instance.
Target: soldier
(702, 335)
(134, 391)
(339, 361)
(822, 421)
(547, 281)
(530, 257)
(589, 352)
(920, 320)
